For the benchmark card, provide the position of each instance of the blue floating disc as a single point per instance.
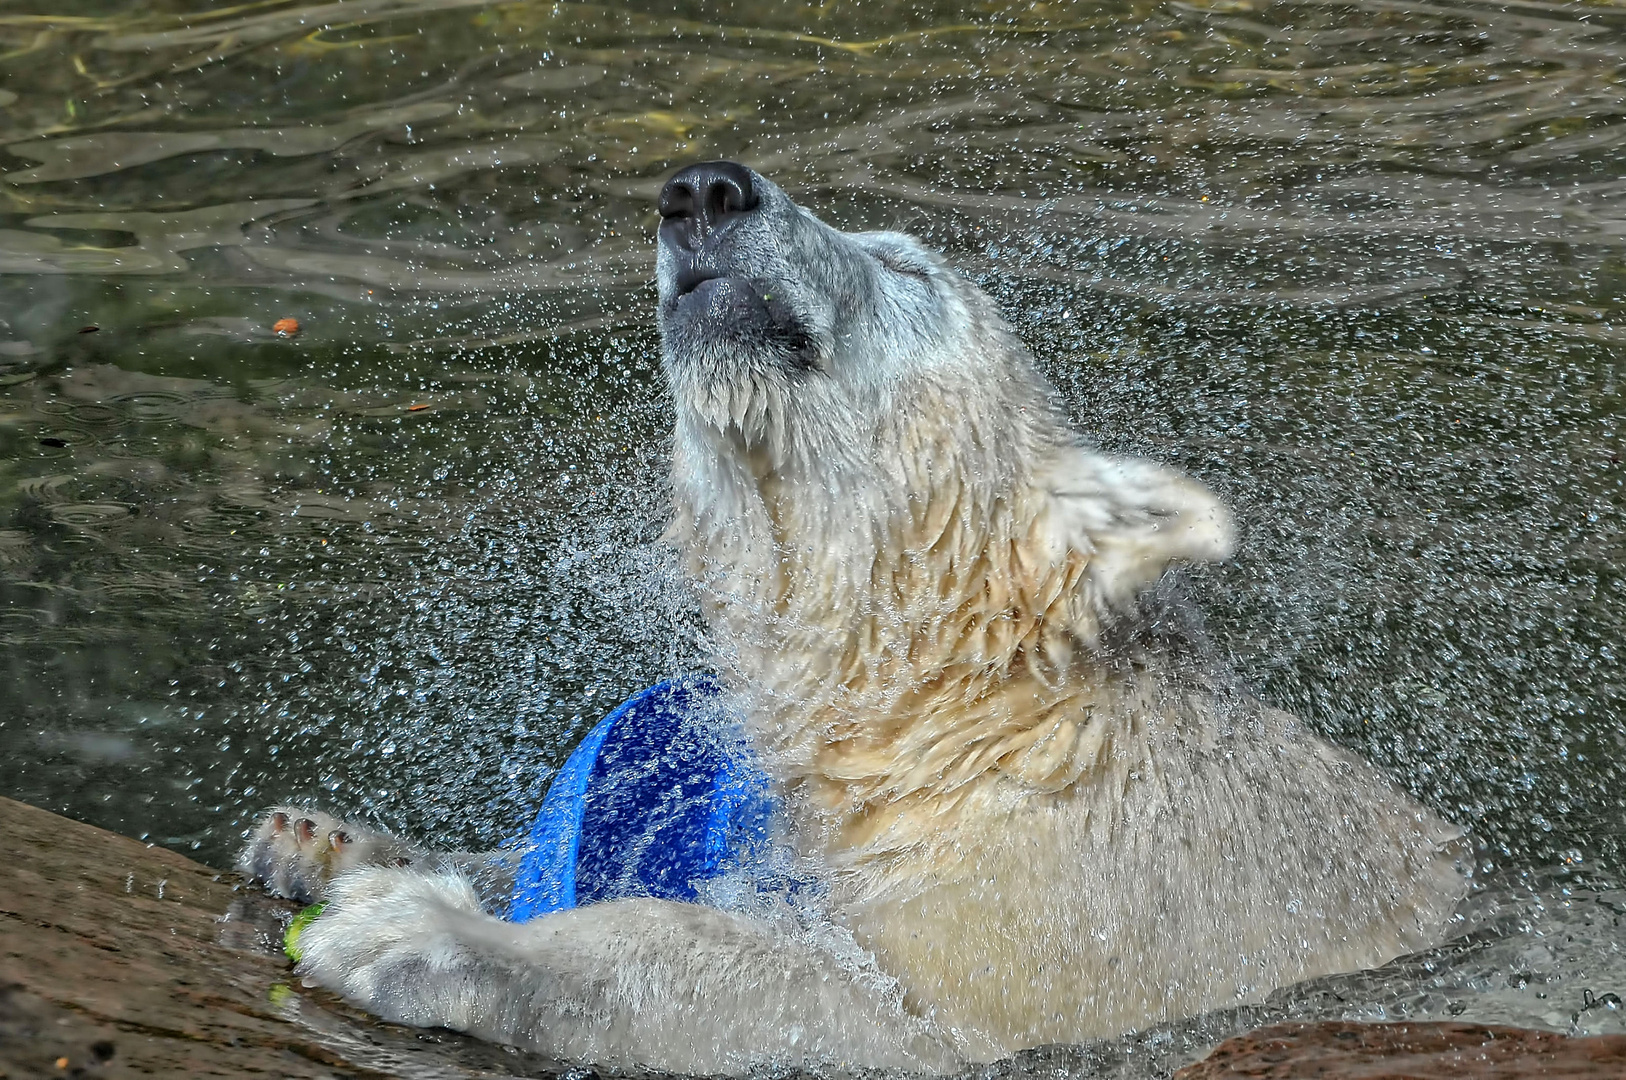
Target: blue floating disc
(662, 794)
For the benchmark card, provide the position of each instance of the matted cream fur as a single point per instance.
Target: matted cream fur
(1041, 817)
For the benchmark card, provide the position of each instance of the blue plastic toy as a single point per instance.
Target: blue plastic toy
(661, 795)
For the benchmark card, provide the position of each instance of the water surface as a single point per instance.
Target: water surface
(1360, 266)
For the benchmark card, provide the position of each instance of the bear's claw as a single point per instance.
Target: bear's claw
(297, 852)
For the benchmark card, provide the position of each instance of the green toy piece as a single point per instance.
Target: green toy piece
(290, 939)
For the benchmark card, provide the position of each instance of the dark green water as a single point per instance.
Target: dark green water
(1360, 266)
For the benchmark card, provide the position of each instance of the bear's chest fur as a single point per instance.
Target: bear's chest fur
(1041, 838)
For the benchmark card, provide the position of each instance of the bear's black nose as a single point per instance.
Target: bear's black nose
(703, 198)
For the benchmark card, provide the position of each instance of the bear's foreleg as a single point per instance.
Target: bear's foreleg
(636, 982)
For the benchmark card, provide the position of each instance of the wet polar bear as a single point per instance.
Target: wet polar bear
(1038, 821)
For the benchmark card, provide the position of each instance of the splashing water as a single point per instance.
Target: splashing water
(1360, 270)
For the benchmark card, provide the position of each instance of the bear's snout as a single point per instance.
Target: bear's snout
(714, 225)
(703, 199)
(732, 273)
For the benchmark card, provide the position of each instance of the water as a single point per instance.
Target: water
(1360, 266)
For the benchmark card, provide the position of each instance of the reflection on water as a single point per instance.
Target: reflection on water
(1360, 265)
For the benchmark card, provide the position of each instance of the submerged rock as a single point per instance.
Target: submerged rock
(1344, 1050)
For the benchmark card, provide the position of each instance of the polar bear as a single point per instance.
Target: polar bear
(1038, 816)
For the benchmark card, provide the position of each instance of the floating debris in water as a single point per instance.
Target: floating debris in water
(285, 327)
(89, 329)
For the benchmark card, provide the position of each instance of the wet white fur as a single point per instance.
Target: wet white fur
(1038, 822)
(637, 981)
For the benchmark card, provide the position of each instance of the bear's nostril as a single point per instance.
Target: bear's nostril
(706, 195)
(677, 201)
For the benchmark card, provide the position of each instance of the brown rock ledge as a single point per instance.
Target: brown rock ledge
(123, 960)
(1343, 1050)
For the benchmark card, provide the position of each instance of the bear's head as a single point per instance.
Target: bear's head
(871, 476)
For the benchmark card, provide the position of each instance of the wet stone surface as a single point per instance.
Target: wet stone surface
(1430, 1051)
(122, 960)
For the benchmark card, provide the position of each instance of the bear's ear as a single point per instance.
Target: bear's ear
(1117, 523)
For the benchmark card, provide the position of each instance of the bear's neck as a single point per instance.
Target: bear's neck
(896, 626)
